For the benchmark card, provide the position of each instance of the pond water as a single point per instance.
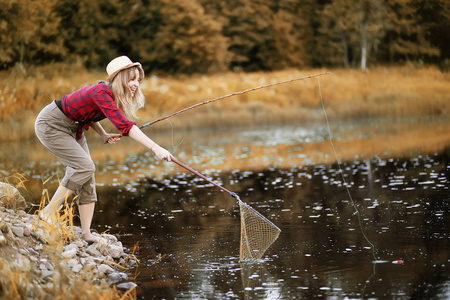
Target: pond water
(373, 224)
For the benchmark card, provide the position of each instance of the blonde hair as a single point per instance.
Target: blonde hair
(119, 86)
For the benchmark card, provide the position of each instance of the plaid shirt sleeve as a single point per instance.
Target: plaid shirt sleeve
(92, 104)
(104, 100)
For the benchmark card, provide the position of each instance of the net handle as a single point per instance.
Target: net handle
(173, 159)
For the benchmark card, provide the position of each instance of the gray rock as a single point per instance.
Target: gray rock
(69, 253)
(116, 251)
(49, 266)
(26, 231)
(109, 238)
(90, 266)
(126, 285)
(123, 276)
(3, 240)
(105, 269)
(11, 198)
(40, 236)
(17, 230)
(77, 268)
(92, 251)
(132, 262)
(46, 273)
(114, 277)
(70, 247)
(73, 261)
(24, 251)
(80, 243)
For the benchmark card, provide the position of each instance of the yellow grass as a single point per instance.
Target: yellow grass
(20, 280)
(11, 200)
(383, 91)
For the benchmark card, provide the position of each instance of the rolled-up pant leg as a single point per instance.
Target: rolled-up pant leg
(57, 133)
(79, 169)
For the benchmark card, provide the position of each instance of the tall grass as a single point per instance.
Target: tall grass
(383, 91)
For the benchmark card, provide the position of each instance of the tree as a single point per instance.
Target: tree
(352, 30)
(290, 33)
(29, 32)
(407, 37)
(250, 31)
(435, 15)
(185, 39)
(91, 29)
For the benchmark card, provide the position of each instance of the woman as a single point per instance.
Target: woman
(60, 127)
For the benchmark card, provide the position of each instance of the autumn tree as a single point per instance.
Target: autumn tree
(250, 31)
(407, 37)
(202, 36)
(290, 34)
(435, 19)
(91, 29)
(181, 38)
(350, 31)
(29, 32)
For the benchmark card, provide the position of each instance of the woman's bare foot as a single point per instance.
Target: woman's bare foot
(90, 238)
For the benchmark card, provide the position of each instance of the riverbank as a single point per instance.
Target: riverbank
(40, 261)
(347, 94)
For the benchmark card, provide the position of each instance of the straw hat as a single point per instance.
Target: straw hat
(118, 64)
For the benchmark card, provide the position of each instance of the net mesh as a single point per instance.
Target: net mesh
(257, 233)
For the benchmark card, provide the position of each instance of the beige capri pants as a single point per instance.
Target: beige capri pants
(58, 134)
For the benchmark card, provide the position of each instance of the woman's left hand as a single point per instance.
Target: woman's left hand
(111, 138)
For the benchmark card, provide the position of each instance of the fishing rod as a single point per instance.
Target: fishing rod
(230, 95)
(232, 194)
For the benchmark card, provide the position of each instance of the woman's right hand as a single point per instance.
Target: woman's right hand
(161, 153)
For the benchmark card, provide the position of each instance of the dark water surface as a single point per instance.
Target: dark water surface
(391, 190)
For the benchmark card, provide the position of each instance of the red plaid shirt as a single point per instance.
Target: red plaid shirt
(94, 103)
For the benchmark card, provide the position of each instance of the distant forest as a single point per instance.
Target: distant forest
(209, 36)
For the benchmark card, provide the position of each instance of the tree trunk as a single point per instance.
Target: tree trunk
(363, 41)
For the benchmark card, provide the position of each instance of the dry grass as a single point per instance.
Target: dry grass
(20, 280)
(10, 196)
(382, 91)
(61, 229)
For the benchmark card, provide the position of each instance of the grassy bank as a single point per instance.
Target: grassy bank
(382, 91)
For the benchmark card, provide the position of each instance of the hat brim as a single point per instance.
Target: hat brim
(110, 78)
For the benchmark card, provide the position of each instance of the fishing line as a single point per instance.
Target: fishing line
(172, 136)
(342, 174)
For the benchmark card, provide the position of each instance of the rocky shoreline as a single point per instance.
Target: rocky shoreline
(48, 255)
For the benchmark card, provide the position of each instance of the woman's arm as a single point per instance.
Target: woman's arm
(109, 138)
(136, 134)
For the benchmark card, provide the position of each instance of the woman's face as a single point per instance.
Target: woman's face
(134, 81)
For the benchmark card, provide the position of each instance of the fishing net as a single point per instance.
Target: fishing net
(257, 233)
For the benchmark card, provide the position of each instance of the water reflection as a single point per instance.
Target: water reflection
(320, 253)
(188, 231)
